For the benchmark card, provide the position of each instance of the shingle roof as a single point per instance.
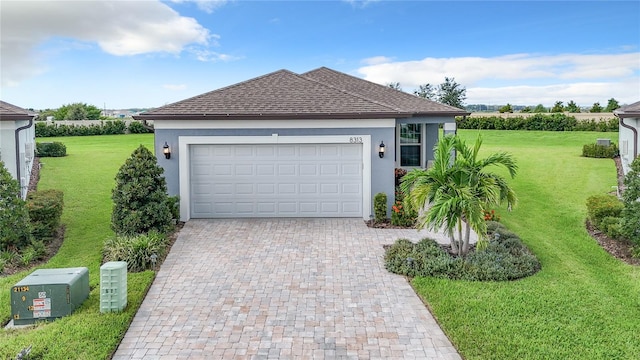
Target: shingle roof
(318, 94)
(10, 112)
(632, 110)
(382, 94)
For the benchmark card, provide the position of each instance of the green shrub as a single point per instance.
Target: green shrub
(45, 209)
(138, 251)
(28, 256)
(545, 122)
(380, 207)
(403, 212)
(600, 151)
(630, 223)
(611, 226)
(110, 127)
(173, 202)
(504, 258)
(51, 149)
(136, 127)
(15, 227)
(140, 197)
(601, 206)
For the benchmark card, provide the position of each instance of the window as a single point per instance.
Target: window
(410, 145)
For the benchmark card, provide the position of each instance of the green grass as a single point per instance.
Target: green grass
(583, 304)
(86, 176)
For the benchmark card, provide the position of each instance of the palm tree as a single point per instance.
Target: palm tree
(455, 192)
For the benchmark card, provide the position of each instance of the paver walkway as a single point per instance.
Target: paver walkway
(279, 289)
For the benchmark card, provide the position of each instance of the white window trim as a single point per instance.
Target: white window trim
(184, 159)
(423, 140)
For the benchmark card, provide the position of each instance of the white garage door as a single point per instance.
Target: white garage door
(276, 180)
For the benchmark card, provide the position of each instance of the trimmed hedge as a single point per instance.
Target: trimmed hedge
(45, 209)
(545, 122)
(600, 207)
(51, 149)
(136, 127)
(380, 207)
(111, 127)
(600, 151)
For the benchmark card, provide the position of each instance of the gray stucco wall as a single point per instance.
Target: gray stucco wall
(382, 170)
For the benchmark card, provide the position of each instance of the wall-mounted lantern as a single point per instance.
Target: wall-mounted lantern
(166, 150)
(381, 149)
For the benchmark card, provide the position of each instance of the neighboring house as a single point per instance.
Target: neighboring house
(17, 142)
(628, 133)
(294, 145)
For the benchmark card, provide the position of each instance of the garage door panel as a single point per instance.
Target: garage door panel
(286, 169)
(329, 169)
(265, 170)
(265, 189)
(243, 151)
(285, 151)
(276, 180)
(245, 189)
(308, 188)
(308, 170)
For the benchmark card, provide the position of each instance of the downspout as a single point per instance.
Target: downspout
(635, 137)
(17, 141)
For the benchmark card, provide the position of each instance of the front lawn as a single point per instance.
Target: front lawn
(583, 304)
(86, 176)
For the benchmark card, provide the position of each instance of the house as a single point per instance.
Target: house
(628, 133)
(317, 144)
(17, 142)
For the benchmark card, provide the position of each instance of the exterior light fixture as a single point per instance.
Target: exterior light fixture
(166, 150)
(381, 149)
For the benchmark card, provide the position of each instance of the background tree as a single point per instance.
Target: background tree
(78, 111)
(506, 109)
(141, 203)
(426, 91)
(526, 109)
(572, 107)
(612, 104)
(557, 107)
(596, 108)
(43, 114)
(395, 85)
(451, 93)
(540, 109)
(15, 227)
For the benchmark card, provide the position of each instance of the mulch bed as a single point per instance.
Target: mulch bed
(620, 249)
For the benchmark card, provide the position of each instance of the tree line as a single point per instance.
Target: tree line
(452, 93)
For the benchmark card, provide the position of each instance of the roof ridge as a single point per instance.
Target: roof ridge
(386, 88)
(362, 97)
(226, 87)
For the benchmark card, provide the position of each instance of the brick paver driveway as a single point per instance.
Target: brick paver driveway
(282, 288)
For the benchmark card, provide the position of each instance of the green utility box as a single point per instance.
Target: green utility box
(113, 286)
(47, 294)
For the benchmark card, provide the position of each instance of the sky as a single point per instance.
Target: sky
(142, 54)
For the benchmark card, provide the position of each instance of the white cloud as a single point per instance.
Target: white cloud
(207, 6)
(211, 56)
(375, 60)
(175, 87)
(120, 28)
(520, 78)
(582, 93)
